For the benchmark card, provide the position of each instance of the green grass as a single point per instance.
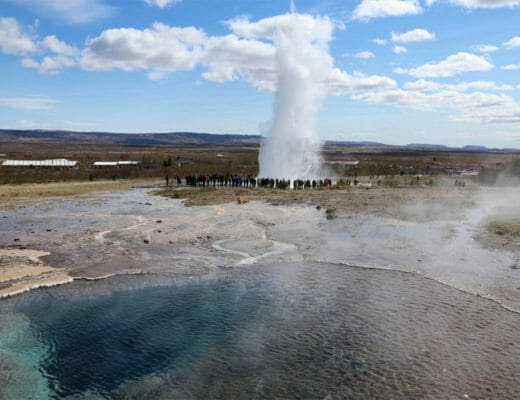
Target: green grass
(511, 228)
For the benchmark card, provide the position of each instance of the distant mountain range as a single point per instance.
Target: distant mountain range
(442, 146)
(175, 138)
(190, 139)
(464, 148)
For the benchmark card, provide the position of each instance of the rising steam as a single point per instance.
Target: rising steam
(292, 149)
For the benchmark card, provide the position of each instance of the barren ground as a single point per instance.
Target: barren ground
(23, 265)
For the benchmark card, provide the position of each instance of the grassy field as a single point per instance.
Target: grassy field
(12, 195)
(388, 177)
(60, 189)
(156, 161)
(159, 161)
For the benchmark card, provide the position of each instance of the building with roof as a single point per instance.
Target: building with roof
(105, 164)
(347, 163)
(54, 163)
(461, 167)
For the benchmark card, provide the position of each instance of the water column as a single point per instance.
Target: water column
(292, 149)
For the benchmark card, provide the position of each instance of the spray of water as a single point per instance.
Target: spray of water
(293, 7)
(292, 149)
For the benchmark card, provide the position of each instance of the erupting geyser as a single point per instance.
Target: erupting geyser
(292, 149)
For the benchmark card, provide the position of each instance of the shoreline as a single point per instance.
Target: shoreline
(165, 235)
(65, 278)
(22, 270)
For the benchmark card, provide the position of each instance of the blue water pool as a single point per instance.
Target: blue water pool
(273, 331)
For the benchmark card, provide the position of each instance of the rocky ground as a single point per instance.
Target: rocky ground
(422, 229)
(412, 203)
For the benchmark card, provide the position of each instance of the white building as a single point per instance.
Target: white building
(54, 163)
(104, 164)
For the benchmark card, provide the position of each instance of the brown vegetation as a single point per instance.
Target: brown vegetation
(511, 228)
(499, 234)
(387, 169)
(157, 161)
(13, 194)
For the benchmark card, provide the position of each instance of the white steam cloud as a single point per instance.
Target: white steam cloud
(292, 149)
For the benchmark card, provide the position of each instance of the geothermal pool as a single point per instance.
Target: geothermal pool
(303, 330)
(256, 301)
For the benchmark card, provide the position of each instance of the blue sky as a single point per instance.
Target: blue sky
(401, 71)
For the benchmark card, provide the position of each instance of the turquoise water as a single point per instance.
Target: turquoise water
(278, 331)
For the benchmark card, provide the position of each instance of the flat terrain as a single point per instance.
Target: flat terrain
(396, 188)
(432, 258)
(444, 200)
(23, 265)
(13, 195)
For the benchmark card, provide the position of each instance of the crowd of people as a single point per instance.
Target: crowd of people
(248, 181)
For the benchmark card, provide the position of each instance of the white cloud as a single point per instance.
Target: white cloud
(63, 124)
(161, 3)
(53, 44)
(72, 11)
(511, 67)
(399, 49)
(253, 48)
(317, 30)
(13, 40)
(422, 85)
(339, 83)
(380, 42)
(369, 9)
(27, 103)
(485, 48)
(364, 54)
(26, 124)
(64, 56)
(479, 3)
(469, 101)
(478, 85)
(453, 65)
(246, 47)
(159, 48)
(230, 57)
(476, 107)
(416, 35)
(73, 125)
(247, 53)
(513, 42)
(428, 86)
(49, 64)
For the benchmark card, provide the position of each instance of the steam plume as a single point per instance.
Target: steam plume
(293, 7)
(292, 149)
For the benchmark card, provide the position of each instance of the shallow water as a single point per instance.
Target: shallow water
(290, 319)
(300, 330)
(132, 232)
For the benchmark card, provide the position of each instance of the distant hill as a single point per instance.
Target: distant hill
(475, 148)
(206, 139)
(350, 143)
(175, 138)
(467, 148)
(427, 146)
